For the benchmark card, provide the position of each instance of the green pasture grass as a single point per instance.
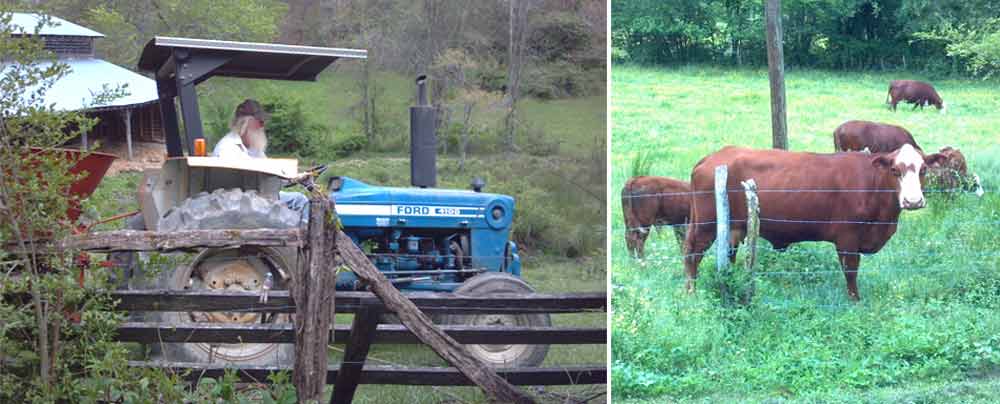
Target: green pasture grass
(929, 316)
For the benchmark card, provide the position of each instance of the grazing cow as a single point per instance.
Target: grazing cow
(831, 200)
(653, 201)
(953, 174)
(918, 93)
(877, 137)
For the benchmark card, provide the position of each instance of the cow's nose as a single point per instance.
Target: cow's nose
(917, 204)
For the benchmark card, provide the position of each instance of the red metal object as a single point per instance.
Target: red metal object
(95, 165)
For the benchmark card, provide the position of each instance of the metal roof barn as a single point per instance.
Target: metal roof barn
(135, 113)
(25, 23)
(87, 77)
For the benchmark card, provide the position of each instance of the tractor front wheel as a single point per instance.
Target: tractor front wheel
(502, 355)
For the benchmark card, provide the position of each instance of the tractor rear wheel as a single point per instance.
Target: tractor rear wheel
(502, 355)
(241, 268)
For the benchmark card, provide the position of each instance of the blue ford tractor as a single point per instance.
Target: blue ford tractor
(421, 237)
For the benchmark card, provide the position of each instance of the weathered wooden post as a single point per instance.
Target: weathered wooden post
(753, 231)
(722, 229)
(776, 73)
(313, 291)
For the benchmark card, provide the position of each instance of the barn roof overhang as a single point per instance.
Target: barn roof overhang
(87, 78)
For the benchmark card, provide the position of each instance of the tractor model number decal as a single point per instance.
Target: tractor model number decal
(406, 210)
(435, 211)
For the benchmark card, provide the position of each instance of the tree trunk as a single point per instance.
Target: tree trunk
(367, 103)
(515, 64)
(464, 146)
(293, 31)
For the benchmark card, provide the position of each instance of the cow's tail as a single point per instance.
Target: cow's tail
(836, 140)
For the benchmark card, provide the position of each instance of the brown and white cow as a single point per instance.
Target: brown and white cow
(832, 200)
(877, 137)
(649, 201)
(918, 93)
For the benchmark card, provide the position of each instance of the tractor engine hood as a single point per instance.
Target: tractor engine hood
(359, 204)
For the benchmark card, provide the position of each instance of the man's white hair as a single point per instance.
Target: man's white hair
(256, 139)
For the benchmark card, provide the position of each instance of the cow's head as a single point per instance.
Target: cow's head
(952, 174)
(908, 167)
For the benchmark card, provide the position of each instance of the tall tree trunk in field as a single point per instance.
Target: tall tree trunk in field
(368, 105)
(293, 30)
(515, 63)
(464, 140)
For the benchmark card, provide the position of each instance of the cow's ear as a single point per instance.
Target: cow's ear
(935, 160)
(882, 161)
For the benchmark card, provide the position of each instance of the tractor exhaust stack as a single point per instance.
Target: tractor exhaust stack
(423, 139)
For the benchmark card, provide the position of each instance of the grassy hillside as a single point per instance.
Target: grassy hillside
(558, 179)
(929, 319)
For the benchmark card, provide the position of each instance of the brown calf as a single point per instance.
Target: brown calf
(653, 201)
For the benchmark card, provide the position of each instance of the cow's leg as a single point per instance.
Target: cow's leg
(628, 243)
(640, 242)
(679, 233)
(849, 262)
(635, 240)
(735, 238)
(699, 237)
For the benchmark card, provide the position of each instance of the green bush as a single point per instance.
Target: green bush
(556, 35)
(561, 80)
(290, 130)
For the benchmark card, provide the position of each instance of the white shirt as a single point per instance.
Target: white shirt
(231, 146)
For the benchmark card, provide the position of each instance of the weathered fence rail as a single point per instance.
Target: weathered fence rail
(313, 302)
(365, 331)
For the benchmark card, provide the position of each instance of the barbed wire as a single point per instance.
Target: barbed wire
(818, 190)
(777, 220)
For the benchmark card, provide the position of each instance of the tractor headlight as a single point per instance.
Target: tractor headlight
(500, 214)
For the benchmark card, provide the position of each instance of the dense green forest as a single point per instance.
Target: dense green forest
(957, 37)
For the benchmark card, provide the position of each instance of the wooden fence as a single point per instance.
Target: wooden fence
(324, 247)
(366, 330)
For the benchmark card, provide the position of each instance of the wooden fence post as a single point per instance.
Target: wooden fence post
(776, 73)
(722, 225)
(355, 353)
(722, 228)
(313, 291)
(753, 230)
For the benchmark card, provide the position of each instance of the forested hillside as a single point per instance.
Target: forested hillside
(943, 37)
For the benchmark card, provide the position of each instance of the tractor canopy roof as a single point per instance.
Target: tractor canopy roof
(205, 58)
(180, 64)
